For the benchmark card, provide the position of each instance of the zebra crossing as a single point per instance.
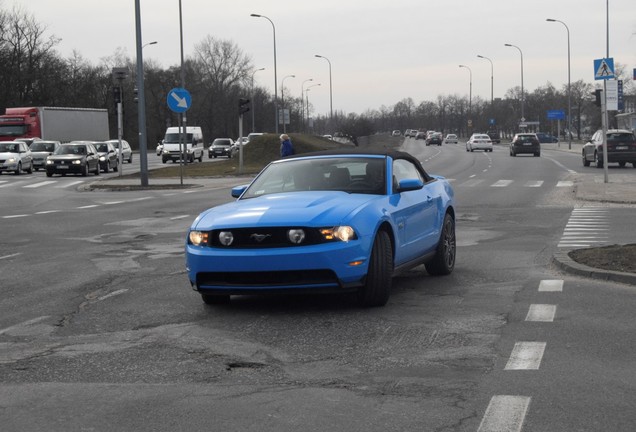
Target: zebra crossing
(37, 183)
(502, 183)
(586, 227)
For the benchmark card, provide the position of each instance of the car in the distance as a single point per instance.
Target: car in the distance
(331, 221)
(126, 150)
(525, 143)
(76, 157)
(15, 156)
(479, 141)
(221, 147)
(545, 138)
(420, 135)
(396, 133)
(40, 150)
(434, 138)
(252, 136)
(451, 139)
(494, 136)
(107, 156)
(159, 149)
(621, 148)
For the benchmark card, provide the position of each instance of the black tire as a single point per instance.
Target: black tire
(622, 164)
(97, 169)
(598, 160)
(443, 262)
(85, 171)
(30, 170)
(164, 160)
(377, 287)
(537, 154)
(130, 158)
(201, 157)
(49, 174)
(107, 167)
(116, 168)
(209, 299)
(18, 171)
(586, 163)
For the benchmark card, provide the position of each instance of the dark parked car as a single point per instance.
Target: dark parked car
(546, 138)
(107, 156)
(331, 221)
(221, 147)
(76, 157)
(527, 143)
(494, 136)
(40, 150)
(621, 148)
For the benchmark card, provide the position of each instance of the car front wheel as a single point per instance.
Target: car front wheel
(599, 160)
(377, 287)
(585, 161)
(443, 262)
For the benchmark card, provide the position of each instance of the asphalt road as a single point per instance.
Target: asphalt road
(99, 329)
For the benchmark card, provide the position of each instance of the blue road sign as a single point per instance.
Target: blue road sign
(491, 122)
(604, 69)
(556, 115)
(179, 100)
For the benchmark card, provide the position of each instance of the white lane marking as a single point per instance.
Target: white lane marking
(565, 183)
(70, 184)
(505, 414)
(112, 202)
(537, 183)
(15, 216)
(526, 356)
(25, 323)
(541, 313)
(561, 165)
(179, 217)
(113, 294)
(87, 206)
(139, 199)
(474, 175)
(12, 184)
(48, 211)
(551, 285)
(501, 183)
(10, 256)
(36, 185)
(471, 183)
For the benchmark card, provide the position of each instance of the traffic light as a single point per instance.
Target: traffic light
(597, 97)
(117, 94)
(243, 106)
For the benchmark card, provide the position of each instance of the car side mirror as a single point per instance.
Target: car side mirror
(409, 185)
(237, 191)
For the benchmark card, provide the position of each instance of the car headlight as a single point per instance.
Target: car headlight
(77, 162)
(198, 238)
(342, 233)
(102, 158)
(49, 162)
(11, 160)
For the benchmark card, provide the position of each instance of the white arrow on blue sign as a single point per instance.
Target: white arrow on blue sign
(179, 100)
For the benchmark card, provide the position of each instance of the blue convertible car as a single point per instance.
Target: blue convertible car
(331, 221)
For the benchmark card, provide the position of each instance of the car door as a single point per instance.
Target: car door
(414, 215)
(25, 155)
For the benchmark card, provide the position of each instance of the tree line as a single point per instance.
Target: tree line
(219, 73)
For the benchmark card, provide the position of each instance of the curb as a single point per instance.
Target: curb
(564, 262)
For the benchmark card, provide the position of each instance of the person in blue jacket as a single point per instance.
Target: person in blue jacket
(286, 147)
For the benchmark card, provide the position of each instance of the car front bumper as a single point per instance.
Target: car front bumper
(324, 267)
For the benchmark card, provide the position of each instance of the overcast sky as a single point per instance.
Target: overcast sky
(381, 51)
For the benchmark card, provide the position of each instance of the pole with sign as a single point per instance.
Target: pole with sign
(604, 70)
(179, 101)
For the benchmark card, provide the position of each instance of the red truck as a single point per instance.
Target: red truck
(54, 123)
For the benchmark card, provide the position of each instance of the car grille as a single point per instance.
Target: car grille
(261, 238)
(281, 279)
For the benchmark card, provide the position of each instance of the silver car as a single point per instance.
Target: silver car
(40, 150)
(15, 156)
(126, 150)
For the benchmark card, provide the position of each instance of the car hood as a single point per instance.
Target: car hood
(66, 157)
(7, 155)
(297, 208)
(41, 153)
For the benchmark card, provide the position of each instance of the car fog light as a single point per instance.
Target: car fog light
(198, 238)
(296, 236)
(226, 238)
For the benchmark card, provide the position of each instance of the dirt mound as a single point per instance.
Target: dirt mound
(620, 258)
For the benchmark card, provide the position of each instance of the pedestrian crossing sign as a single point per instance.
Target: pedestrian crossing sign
(604, 69)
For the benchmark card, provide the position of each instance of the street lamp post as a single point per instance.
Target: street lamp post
(141, 118)
(282, 98)
(492, 80)
(149, 43)
(275, 72)
(523, 118)
(330, 90)
(302, 101)
(252, 99)
(569, 92)
(307, 98)
(470, 91)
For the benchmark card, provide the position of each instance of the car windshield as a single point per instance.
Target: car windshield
(9, 148)
(219, 142)
(102, 147)
(71, 149)
(347, 174)
(172, 138)
(39, 146)
(620, 137)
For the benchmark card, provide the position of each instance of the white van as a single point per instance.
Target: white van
(193, 144)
